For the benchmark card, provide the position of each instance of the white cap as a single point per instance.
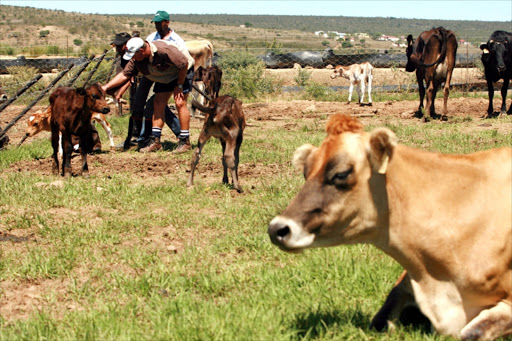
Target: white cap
(133, 45)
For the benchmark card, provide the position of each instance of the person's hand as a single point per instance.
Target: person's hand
(179, 97)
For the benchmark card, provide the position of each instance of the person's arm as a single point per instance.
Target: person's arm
(122, 90)
(118, 80)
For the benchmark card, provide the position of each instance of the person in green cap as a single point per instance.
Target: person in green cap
(163, 32)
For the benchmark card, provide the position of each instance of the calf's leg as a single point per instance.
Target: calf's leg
(203, 138)
(490, 323)
(230, 160)
(56, 143)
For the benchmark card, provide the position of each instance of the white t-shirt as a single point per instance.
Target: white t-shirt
(173, 37)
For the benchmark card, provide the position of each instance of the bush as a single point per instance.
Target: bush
(303, 77)
(52, 50)
(315, 91)
(77, 42)
(243, 76)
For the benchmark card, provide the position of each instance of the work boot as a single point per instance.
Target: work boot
(153, 146)
(183, 146)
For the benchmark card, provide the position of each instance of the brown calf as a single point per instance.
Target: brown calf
(72, 110)
(224, 120)
(432, 55)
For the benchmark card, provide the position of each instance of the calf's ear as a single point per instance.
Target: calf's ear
(301, 155)
(382, 144)
(484, 48)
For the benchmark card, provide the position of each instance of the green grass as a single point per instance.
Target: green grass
(106, 268)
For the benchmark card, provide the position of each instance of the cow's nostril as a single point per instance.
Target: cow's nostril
(283, 232)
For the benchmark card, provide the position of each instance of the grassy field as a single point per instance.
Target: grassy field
(133, 255)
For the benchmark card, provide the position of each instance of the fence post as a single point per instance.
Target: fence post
(21, 91)
(41, 95)
(95, 68)
(84, 66)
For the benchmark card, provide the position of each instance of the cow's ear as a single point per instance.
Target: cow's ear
(382, 144)
(301, 155)
(484, 48)
(409, 39)
(81, 91)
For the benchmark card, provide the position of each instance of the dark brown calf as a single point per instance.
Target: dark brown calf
(224, 120)
(71, 115)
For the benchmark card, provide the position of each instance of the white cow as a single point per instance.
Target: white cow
(358, 74)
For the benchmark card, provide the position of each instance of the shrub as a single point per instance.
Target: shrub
(77, 42)
(52, 49)
(315, 91)
(243, 75)
(303, 77)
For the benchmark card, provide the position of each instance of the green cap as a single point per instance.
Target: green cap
(161, 16)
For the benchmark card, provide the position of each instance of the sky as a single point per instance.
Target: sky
(497, 10)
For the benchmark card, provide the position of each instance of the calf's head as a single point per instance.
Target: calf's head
(341, 199)
(338, 72)
(95, 98)
(38, 122)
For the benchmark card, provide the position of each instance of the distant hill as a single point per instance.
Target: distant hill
(33, 32)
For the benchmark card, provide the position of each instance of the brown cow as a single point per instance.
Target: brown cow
(432, 55)
(72, 110)
(423, 209)
(224, 120)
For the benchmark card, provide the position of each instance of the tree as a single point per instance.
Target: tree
(43, 34)
(140, 24)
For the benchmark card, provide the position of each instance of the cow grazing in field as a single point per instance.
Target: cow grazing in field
(432, 55)
(40, 121)
(72, 110)
(224, 120)
(357, 74)
(423, 209)
(497, 60)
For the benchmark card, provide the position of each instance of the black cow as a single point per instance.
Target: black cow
(497, 60)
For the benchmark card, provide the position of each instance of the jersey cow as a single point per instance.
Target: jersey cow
(358, 74)
(432, 55)
(497, 60)
(72, 110)
(423, 209)
(201, 51)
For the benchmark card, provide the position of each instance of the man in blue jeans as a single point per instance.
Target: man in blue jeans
(172, 69)
(142, 109)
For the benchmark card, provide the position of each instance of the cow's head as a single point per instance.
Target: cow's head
(413, 56)
(95, 97)
(337, 72)
(344, 194)
(498, 52)
(38, 122)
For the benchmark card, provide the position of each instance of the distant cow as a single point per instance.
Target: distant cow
(72, 110)
(432, 55)
(423, 209)
(497, 60)
(224, 120)
(40, 121)
(357, 74)
(201, 51)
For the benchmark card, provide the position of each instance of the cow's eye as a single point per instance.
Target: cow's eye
(35, 124)
(340, 179)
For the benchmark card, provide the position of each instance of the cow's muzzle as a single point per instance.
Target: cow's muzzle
(288, 235)
(3, 98)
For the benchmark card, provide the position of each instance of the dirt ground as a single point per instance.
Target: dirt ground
(259, 116)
